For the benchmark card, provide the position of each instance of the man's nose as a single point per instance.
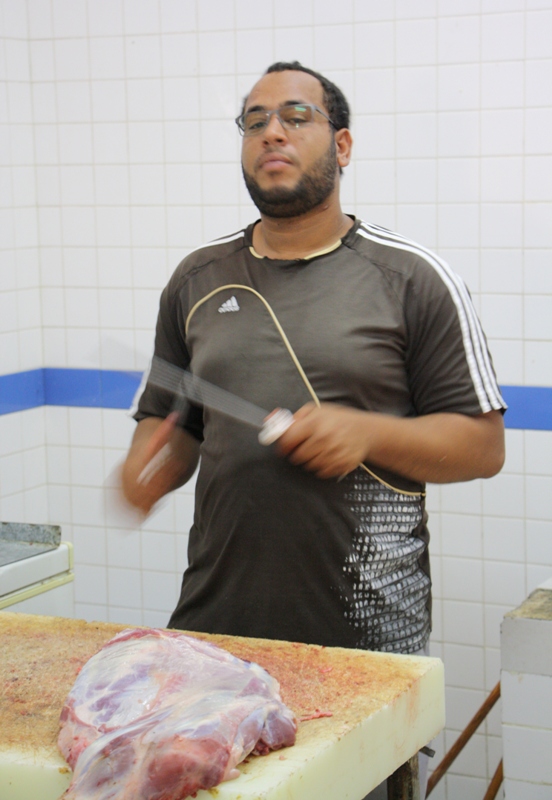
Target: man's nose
(274, 130)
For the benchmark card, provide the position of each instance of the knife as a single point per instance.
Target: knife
(190, 388)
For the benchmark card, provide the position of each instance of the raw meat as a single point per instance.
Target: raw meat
(157, 715)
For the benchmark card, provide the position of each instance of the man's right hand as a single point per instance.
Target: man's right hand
(161, 458)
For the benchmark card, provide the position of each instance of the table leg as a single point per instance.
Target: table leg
(404, 784)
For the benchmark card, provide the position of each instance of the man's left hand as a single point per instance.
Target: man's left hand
(327, 440)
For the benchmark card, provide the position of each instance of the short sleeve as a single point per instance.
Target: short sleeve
(170, 345)
(448, 361)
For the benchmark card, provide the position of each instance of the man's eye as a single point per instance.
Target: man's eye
(255, 124)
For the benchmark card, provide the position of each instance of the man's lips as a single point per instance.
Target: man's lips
(273, 161)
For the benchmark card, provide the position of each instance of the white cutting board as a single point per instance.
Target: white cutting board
(343, 756)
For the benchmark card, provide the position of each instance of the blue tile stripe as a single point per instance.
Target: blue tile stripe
(529, 407)
(89, 388)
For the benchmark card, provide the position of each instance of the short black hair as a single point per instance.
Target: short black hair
(334, 99)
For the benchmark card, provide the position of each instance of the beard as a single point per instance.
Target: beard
(312, 189)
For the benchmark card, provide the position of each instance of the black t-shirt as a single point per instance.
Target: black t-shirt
(378, 323)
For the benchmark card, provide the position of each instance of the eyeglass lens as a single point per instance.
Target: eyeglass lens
(290, 116)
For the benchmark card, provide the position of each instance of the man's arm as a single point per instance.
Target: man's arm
(438, 448)
(161, 458)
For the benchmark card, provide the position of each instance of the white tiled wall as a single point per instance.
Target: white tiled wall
(118, 155)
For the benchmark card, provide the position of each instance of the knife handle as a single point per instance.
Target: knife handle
(276, 424)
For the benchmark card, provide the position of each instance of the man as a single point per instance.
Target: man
(371, 341)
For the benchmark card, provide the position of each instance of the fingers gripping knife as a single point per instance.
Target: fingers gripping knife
(196, 390)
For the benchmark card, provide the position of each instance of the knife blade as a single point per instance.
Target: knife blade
(194, 389)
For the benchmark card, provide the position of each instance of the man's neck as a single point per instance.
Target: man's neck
(300, 237)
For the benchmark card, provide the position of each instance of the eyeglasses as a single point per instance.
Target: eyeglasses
(291, 117)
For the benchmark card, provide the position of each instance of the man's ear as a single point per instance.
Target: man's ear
(344, 146)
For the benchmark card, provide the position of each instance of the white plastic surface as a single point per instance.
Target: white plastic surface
(20, 574)
(331, 767)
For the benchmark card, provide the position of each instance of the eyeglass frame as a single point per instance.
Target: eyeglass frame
(276, 111)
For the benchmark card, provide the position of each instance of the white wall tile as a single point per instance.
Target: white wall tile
(458, 225)
(501, 225)
(527, 754)
(538, 227)
(458, 39)
(410, 9)
(105, 18)
(71, 60)
(374, 91)
(107, 57)
(502, 37)
(416, 181)
(538, 317)
(538, 87)
(287, 43)
(158, 551)
(16, 54)
(537, 278)
(502, 315)
(87, 466)
(463, 623)
(20, 102)
(75, 144)
(458, 180)
(141, 16)
(538, 363)
(471, 760)
(124, 587)
(416, 88)
(88, 506)
(537, 574)
(160, 591)
(539, 541)
(89, 545)
(145, 100)
(464, 666)
(501, 270)
(504, 495)
(458, 87)
(494, 615)
(91, 612)
(504, 539)
(90, 584)
(418, 222)
(108, 101)
(254, 50)
(40, 23)
(461, 535)
(463, 580)
(83, 347)
(69, 17)
(112, 143)
(504, 583)
(250, 14)
(143, 57)
(374, 44)
(182, 142)
(539, 33)
(538, 178)
(539, 497)
(375, 181)
(179, 55)
(522, 790)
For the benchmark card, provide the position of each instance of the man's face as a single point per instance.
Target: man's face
(289, 172)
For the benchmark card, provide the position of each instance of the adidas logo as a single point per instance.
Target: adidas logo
(229, 305)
